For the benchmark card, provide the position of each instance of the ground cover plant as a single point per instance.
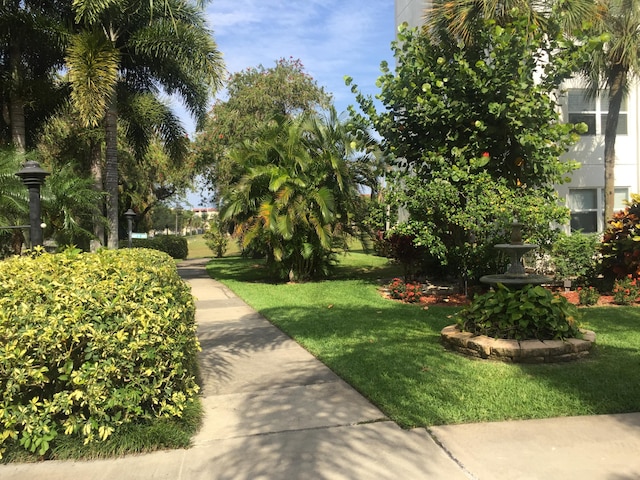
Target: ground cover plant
(390, 351)
(97, 354)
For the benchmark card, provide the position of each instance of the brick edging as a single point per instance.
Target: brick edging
(517, 351)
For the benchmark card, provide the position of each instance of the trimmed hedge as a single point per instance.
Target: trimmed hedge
(90, 342)
(173, 245)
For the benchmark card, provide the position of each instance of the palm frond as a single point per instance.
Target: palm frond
(93, 64)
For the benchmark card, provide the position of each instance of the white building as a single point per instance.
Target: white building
(585, 193)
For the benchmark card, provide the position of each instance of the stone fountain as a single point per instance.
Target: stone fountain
(516, 276)
(525, 351)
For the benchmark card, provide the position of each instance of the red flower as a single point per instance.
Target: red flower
(485, 154)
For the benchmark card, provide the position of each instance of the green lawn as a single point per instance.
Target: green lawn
(198, 247)
(391, 352)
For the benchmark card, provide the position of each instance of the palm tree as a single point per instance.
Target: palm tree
(32, 41)
(615, 67)
(297, 198)
(141, 46)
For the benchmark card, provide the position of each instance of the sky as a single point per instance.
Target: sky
(332, 38)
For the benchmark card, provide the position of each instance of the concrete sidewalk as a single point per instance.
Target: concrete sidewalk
(272, 411)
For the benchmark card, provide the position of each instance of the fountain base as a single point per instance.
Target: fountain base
(517, 351)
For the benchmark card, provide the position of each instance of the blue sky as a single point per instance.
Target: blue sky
(332, 38)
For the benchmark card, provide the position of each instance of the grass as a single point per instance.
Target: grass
(391, 352)
(198, 248)
(158, 434)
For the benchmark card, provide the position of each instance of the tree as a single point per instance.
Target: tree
(32, 35)
(255, 96)
(296, 198)
(141, 46)
(475, 139)
(613, 67)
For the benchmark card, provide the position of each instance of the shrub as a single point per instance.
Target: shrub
(407, 292)
(172, 245)
(625, 291)
(531, 312)
(401, 247)
(215, 238)
(588, 296)
(620, 246)
(91, 343)
(576, 255)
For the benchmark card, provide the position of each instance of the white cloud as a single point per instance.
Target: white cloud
(331, 38)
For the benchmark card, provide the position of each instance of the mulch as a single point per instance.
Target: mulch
(460, 300)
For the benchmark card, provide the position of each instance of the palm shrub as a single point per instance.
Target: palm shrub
(532, 312)
(90, 343)
(297, 198)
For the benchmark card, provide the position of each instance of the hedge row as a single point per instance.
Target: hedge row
(173, 245)
(90, 342)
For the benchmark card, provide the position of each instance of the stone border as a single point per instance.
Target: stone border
(517, 351)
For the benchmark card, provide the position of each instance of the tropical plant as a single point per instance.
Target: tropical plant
(532, 312)
(32, 42)
(138, 46)
(626, 290)
(255, 96)
(296, 200)
(620, 246)
(14, 207)
(475, 139)
(588, 296)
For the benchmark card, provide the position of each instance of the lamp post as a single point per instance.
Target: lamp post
(178, 213)
(130, 215)
(33, 176)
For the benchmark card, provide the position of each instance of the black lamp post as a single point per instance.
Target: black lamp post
(130, 215)
(33, 176)
(178, 213)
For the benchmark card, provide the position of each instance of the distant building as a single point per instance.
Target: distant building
(206, 213)
(584, 195)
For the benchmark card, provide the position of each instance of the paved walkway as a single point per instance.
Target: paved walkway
(272, 411)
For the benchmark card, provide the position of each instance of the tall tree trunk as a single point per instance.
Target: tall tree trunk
(617, 82)
(111, 172)
(16, 103)
(98, 185)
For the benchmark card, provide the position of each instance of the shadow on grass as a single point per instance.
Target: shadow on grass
(391, 353)
(354, 266)
(394, 357)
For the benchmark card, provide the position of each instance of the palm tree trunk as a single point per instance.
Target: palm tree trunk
(111, 172)
(98, 185)
(617, 81)
(16, 103)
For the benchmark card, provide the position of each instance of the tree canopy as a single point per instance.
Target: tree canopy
(254, 97)
(475, 138)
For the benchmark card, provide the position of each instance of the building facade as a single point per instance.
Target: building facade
(584, 195)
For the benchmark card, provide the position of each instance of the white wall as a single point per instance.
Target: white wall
(411, 11)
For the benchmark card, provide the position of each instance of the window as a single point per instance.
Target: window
(622, 117)
(583, 204)
(593, 111)
(587, 209)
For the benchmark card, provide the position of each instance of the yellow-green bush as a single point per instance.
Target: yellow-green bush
(89, 342)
